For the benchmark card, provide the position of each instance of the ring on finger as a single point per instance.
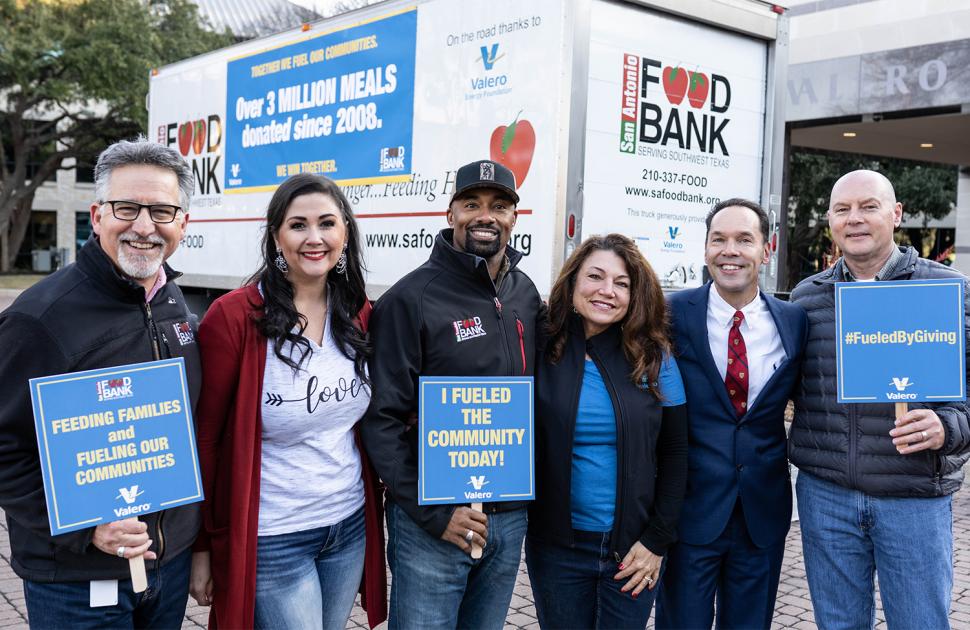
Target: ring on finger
(924, 434)
(468, 536)
(121, 551)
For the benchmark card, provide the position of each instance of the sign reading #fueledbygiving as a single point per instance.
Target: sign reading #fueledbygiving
(901, 341)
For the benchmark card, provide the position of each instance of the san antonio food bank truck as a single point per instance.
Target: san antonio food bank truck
(630, 117)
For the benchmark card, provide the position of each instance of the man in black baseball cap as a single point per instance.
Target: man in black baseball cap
(482, 212)
(467, 311)
(485, 174)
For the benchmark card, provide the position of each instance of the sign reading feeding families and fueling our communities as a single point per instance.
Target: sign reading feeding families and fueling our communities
(115, 443)
(900, 341)
(675, 123)
(476, 440)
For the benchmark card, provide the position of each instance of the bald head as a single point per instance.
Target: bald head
(863, 213)
(875, 182)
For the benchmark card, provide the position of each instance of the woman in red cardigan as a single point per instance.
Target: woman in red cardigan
(292, 524)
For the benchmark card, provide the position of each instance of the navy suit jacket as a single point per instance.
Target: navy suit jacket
(729, 456)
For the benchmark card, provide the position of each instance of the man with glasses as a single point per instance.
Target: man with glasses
(116, 305)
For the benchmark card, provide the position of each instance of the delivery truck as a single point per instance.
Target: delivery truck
(615, 116)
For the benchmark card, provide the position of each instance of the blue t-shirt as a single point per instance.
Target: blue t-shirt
(593, 491)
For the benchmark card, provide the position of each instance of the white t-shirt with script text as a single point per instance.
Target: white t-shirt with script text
(311, 470)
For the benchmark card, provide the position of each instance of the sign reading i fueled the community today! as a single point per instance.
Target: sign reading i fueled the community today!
(115, 443)
(475, 439)
(901, 341)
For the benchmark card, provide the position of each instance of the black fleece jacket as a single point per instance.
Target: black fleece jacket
(414, 328)
(83, 317)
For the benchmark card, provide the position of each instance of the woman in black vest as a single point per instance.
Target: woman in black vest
(611, 444)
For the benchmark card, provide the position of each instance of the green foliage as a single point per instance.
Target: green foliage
(74, 77)
(56, 55)
(926, 190)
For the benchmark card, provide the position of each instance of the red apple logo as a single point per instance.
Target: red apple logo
(198, 140)
(512, 146)
(185, 138)
(697, 92)
(675, 84)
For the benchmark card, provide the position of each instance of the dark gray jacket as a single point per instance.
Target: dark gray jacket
(850, 444)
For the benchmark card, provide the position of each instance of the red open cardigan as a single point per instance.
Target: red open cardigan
(229, 439)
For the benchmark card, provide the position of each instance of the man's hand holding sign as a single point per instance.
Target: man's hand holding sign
(475, 445)
(468, 529)
(126, 539)
(917, 430)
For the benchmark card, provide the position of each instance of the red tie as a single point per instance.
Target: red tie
(736, 380)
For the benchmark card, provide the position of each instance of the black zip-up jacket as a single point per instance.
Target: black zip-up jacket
(83, 317)
(415, 332)
(849, 444)
(651, 444)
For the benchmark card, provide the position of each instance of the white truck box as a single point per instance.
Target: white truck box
(631, 117)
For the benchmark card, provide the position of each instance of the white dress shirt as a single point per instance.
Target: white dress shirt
(761, 339)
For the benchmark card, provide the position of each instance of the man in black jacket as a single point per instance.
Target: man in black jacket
(116, 305)
(874, 492)
(471, 276)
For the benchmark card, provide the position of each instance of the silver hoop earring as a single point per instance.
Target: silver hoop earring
(280, 262)
(342, 262)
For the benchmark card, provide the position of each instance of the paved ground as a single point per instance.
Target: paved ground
(793, 609)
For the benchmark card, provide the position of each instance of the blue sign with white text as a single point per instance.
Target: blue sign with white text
(476, 439)
(339, 104)
(115, 443)
(900, 341)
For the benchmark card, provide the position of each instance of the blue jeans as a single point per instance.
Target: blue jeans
(574, 587)
(437, 585)
(309, 579)
(68, 604)
(849, 536)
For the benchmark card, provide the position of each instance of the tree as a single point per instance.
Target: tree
(925, 190)
(73, 77)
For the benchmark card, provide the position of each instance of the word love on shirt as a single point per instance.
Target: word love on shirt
(338, 391)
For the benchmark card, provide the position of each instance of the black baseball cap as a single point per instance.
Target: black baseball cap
(485, 174)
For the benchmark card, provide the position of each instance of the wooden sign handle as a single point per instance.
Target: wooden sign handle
(139, 581)
(476, 550)
(901, 410)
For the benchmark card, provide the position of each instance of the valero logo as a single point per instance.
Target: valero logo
(901, 384)
(478, 483)
(653, 110)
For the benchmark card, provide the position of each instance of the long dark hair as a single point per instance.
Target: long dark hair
(645, 326)
(345, 291)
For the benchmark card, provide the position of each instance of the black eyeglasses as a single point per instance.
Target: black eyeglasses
(129, 211)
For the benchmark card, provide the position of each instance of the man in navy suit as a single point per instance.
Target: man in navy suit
(739, 352)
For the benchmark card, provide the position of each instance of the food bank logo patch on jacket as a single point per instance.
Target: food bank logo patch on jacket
(470, 328)
(183, 332)
(114, 388)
